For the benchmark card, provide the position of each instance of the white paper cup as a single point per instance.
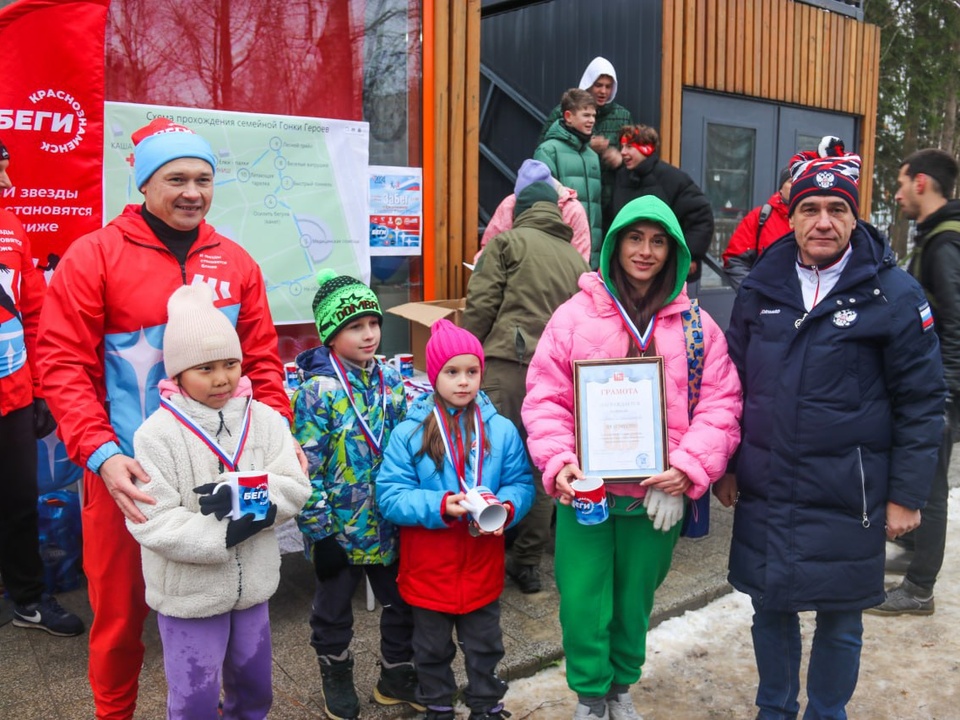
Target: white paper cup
(486, 510)
(250, 492)
(590, 500)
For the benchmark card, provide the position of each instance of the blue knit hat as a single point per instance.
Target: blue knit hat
(162, 141)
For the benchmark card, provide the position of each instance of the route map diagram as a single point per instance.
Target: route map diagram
(291, 190)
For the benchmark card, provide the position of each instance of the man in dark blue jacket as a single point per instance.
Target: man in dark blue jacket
(842, 418)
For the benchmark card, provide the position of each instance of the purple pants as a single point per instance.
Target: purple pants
(200, 654)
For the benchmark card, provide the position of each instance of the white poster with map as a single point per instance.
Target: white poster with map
(291, 190)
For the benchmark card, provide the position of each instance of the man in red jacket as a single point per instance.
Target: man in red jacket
(757, 231)
(24, 417)
(101, 356)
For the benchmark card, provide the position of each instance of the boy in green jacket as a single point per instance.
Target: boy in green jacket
(567, 152)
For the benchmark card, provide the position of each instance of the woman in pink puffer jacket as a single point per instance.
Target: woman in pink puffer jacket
(607, 573)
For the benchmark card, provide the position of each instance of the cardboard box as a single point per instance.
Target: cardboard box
(421, 316)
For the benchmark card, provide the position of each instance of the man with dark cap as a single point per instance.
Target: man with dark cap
(842, 419)
(24, 418)
(100, 354)
(523, 275)
(761, 227)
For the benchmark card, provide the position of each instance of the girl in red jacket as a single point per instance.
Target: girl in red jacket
(451, 571)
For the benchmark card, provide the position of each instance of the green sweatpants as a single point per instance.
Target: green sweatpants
(607, 575)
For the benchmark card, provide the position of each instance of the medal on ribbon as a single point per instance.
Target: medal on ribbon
(375, 442)
(229, 460)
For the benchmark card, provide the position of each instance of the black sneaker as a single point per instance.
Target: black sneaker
(527, 577)
(495, 713)
(398, 685)
(46, 614)
(340, 701)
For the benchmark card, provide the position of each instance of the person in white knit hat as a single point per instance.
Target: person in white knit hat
(209, 574)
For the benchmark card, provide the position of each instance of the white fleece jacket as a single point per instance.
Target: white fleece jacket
(188, 569)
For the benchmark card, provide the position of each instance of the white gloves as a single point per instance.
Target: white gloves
(665, 510)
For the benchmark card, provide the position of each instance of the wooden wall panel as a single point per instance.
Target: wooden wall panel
(451, 167)
(776, 50)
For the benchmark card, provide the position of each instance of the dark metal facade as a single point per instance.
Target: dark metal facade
(530, 52)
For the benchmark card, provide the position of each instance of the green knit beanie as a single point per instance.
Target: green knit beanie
(340, 300)
(534, 193)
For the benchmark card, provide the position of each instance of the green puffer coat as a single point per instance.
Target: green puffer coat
(611, 119)
(574, 163)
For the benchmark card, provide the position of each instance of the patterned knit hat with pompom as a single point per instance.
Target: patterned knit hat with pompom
(340, 300)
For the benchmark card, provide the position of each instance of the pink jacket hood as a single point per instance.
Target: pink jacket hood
(168, 388)
(587, 327)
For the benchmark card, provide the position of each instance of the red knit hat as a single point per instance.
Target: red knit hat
(447, 341)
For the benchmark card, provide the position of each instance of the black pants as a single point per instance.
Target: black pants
(332, 616)
(928, 540)
(20, 562)
(481, 641)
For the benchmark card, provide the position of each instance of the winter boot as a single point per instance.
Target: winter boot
(495, 713)
(436, 712)
(397, 685)
(527, 577)
(340, 699)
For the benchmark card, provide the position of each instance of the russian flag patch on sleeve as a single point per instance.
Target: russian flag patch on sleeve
(926, 317)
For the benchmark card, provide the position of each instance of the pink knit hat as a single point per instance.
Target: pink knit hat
(447, 341)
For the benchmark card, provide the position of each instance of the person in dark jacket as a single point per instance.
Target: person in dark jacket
(524, 275)
(926, 180)
(644, 173)
(758, 230)
(843, 411)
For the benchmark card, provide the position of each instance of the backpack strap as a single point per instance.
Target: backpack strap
(763, 217)
(916, 257)
(696, 520)
(693, 331)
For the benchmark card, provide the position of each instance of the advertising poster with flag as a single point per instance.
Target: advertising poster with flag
(51, 118)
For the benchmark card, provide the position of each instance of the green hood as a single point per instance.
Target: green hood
(654, 209)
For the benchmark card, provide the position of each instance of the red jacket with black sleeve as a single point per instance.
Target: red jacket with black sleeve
(746, 244)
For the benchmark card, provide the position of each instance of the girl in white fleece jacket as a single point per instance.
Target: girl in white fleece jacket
(208, 576)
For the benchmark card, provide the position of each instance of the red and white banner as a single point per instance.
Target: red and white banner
(51, 117)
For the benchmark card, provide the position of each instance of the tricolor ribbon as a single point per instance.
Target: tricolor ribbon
(476, 450)
(229, 461)
(641, 339)
(375, 443)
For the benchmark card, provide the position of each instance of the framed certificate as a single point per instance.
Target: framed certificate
(621, 418)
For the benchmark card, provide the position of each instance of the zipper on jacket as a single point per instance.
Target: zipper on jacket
(236, 555)
(863, 489)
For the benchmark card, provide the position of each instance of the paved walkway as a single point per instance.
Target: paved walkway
(45, 677)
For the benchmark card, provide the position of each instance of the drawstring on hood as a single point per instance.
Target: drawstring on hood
(653, 209)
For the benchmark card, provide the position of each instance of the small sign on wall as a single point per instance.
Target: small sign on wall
(396, 210)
